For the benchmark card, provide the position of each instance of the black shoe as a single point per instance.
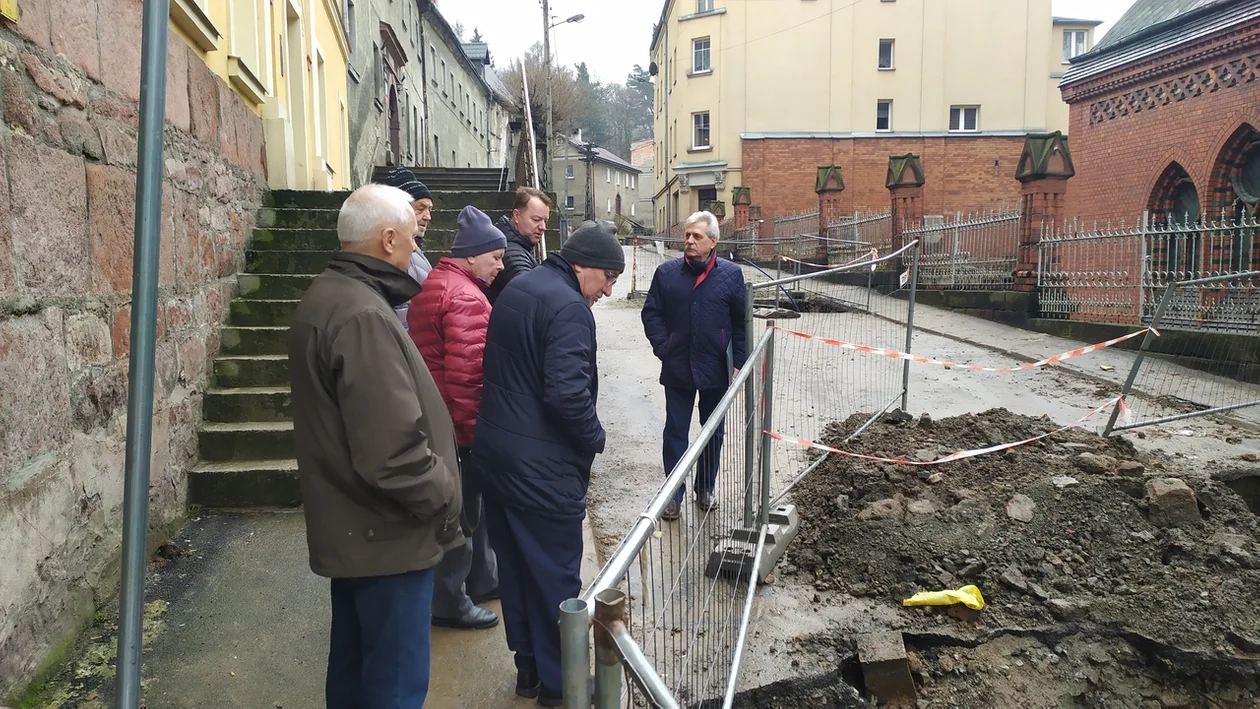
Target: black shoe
(672, 511)
(475, 619)
(527, 684)
(491, 595)
(548, 699)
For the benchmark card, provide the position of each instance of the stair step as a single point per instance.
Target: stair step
(258, 371)
(291, 262)
(256, 483)
(254, 340)
(491, 197)
(273, 286)
(246, 313)
(283, 239)
(225, 442)
(269, 217)
(248, 404)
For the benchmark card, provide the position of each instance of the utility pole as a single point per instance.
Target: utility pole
(547, 66)
(588, 156)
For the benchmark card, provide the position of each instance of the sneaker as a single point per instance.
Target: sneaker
(706, 501)
(527, 684)
(672, 511)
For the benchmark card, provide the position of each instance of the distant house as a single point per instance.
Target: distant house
(1165, 113)
(615, 184)
(643, 156)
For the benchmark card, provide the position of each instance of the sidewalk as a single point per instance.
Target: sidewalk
(240, 621)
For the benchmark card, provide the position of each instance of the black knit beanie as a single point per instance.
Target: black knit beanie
(595, 245)
(405, 180)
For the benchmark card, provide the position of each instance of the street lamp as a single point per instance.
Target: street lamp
(547, 26)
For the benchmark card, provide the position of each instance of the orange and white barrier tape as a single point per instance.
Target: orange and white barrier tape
(872, 255)
(960, 455)
(927, 360)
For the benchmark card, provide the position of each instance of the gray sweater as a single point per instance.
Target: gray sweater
(418, 269)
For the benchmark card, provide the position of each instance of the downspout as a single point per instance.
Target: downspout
(669, 217)
(424, 88)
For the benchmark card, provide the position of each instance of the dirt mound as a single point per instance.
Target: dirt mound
(1105, 572)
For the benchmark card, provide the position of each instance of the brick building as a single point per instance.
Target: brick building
(1165, 112)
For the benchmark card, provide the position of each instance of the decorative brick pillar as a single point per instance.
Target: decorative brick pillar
(830, 186)
(1044, 170)
(905, 191)
(741, 197)
(765, 241)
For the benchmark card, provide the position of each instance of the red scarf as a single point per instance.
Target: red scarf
(708, 267)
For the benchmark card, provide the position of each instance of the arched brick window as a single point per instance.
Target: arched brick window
(1175, 202)
(1235, 197)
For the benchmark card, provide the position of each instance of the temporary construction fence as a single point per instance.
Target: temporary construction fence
(1117, 274)
(974, 252)
(671, 606)
(647, 254)
(1226, 310)
(857, 303)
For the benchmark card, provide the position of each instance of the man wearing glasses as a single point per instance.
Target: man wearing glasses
(536, 437)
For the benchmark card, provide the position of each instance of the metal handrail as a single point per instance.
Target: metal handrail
(621, 560)
(762, 285)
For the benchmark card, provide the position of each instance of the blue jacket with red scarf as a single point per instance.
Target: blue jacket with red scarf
(694, 318)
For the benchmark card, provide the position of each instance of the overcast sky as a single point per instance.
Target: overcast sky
(615, 36)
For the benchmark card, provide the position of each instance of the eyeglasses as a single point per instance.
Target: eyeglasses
(611, 276)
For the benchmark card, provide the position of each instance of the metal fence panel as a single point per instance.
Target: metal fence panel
(978, 252)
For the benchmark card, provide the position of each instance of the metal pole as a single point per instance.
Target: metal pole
(767, 424)
(143, 344)
(741, 638)
(914, 291)
(1137, 363)
(575, 653)
(610, 610)
(547, 60)
(750, 403)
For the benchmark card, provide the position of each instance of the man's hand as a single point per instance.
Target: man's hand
(736, 373)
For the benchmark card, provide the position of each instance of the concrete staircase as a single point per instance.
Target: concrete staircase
(246, 440)
(448, 179)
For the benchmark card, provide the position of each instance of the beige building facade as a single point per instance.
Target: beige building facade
(732, 72)
(615, 184)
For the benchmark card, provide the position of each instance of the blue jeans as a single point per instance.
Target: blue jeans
(678, 406)
(378, 655)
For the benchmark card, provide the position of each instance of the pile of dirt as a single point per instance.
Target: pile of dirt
(1106, 573)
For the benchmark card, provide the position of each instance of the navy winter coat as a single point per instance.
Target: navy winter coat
(692, 318)
(537, 431)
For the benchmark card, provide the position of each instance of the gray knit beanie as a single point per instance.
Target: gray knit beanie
(595, 245)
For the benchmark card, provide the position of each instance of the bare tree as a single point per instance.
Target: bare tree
(566, 104)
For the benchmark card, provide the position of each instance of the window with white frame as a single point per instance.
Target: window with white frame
(964, 119)
(609, 207)
(444, 75)
(886, 54)
(632, 209)
(433, 77)
(608, 175)
(1073, 44)
(700, 130)
(618, 178)
(883, 116)
(704, 5)
(348, 11)
(701, 63)
(568, 172)
(569, 202)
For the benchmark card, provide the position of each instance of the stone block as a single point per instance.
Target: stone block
(107, 105)
(8, 273)
(1172, 503)
(204, 111)
(79, 136)
(53, 82)
(35, 22)
(88, 341)
(112, 209)
(122, 24)
(53, 255)
(194, 253)
(74, 35)
(192, 360)
(99, 395)
(35, 408)
(177, 110)
(119, 144)
(1094, 463)
(19, 110)
(120, 331)
(1020, 508)
(885, 668)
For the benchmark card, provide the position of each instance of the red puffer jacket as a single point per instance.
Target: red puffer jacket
(448, 322)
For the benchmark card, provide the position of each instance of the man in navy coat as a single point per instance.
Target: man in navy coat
(694, 318)
(536, 437)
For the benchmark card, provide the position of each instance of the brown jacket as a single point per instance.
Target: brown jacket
(375, 445)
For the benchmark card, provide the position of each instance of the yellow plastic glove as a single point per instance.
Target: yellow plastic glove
(967, 595)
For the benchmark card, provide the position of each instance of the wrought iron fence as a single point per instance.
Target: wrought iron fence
(976, 252)
(647, 254)
(872, 228)
(1118, 275)
(1225, 312)
(671, 607)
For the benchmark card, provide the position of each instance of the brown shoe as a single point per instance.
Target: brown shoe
(672, 511)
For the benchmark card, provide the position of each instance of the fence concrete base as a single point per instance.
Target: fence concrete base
(734, 556)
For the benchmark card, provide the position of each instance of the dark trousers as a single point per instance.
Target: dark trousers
(678, 406)
(540, 566)
(378, 655)
(468, 571)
